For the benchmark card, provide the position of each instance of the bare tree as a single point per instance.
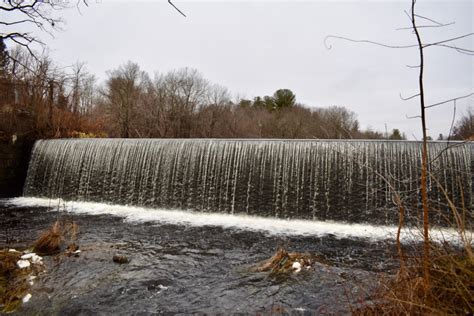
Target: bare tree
(186, 92)
(123, 92)
(464, 128)
(421, 46)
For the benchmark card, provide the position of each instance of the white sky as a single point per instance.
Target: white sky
(256, 47)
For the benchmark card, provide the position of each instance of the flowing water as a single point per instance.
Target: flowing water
(185, 268)
(319, 180)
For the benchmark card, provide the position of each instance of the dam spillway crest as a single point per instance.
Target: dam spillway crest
(324, 180)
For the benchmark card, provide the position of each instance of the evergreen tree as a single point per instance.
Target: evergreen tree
(396, 135)
(283, 98)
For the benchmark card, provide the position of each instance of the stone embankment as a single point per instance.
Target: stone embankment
(14, 158)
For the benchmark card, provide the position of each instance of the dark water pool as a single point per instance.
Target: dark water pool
(177, 269)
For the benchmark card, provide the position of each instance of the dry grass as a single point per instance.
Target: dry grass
(450, 268)
(451, 289)
(50, 241)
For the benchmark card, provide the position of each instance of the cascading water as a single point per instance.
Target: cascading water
(325, 180)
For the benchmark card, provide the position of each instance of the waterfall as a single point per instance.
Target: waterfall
(306, 179)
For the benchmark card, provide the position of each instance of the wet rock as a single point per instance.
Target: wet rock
(33, 258)
(26, 298)
(296, 266)
(22, 264)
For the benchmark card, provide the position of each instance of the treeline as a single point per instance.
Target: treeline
(182, 104)
(40, 100)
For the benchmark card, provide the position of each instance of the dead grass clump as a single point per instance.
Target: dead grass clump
(50, 241)
(120, 259)
(284, 262)
(450, 292)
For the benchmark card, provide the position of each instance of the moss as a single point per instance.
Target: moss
(13, 281)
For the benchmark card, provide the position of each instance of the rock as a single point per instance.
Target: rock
(120, 259)
(37, 259)
(28, 256)
(296, 266)
(33, 258)
(23, 264)
(26, 298)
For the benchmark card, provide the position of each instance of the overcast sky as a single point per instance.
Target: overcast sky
(256, 47)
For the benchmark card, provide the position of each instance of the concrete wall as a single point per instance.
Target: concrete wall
(14, 158)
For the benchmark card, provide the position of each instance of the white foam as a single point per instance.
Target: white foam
(272, 226)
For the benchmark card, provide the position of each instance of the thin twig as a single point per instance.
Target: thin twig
(424, 26)
(363, 41)
(169, 1)
(410, 97)
(450, 100)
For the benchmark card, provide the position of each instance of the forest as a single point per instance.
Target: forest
(39, 99)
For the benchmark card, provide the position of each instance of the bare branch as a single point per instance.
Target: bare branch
(169, 1)
(450, 100)
(33, 12)
(448, 40)
(452, 122)
(410, 97)
(425, 26)
(465, 51)
(449, 138)
(412, 117)
(364, 41)
(428, 19)
(38, 24)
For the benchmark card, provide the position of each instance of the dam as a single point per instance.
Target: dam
(350, 181)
